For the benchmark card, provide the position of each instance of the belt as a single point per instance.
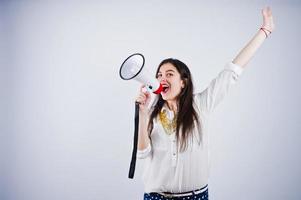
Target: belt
(184, 194)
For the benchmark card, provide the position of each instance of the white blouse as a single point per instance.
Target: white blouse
(168, 170)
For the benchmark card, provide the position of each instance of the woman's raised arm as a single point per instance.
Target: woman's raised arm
(249, 50)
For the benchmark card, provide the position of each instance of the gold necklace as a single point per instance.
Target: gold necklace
(168, 125)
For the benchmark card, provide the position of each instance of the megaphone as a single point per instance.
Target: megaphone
(133, 68)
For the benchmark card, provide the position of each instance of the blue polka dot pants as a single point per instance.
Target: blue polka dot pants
(156, 196)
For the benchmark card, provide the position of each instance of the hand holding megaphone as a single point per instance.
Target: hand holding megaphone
(143, 99)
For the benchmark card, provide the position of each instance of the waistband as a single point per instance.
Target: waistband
(184, 194)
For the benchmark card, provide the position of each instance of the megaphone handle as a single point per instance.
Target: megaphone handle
(134, 152)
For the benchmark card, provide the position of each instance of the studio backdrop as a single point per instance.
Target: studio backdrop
(67, 118)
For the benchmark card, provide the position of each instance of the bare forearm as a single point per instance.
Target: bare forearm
(143, 138)
(249, 50)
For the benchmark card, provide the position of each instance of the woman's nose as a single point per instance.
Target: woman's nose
(162, 79)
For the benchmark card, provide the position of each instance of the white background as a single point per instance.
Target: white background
(67, 117)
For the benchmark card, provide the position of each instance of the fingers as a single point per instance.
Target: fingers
(141, 87)
(144, 90)
(142, 98)
(267, 11)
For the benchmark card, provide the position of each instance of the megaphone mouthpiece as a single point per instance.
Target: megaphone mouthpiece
(157, 91)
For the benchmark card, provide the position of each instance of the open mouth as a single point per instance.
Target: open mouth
(165, 89)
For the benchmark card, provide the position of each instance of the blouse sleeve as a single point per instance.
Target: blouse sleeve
(141, 154)
(219, 87)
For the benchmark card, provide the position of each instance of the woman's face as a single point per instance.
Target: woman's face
(171, 80)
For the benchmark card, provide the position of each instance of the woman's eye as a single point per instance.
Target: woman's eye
(159, 75)
(169, 75)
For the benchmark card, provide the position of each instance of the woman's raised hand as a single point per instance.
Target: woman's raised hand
(268, 22)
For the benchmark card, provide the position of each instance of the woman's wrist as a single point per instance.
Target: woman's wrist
(266, 31)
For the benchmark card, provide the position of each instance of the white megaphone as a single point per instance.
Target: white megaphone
(132, 68)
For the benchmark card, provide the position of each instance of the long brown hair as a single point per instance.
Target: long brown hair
(186, 113)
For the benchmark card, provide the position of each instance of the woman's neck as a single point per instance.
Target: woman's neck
(172, 105)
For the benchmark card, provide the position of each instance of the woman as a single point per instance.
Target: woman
(173, 136)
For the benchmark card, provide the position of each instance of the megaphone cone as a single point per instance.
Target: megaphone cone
(132, 68)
